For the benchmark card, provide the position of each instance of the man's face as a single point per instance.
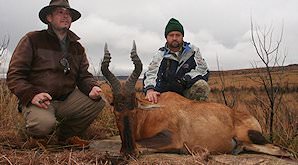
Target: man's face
(60, 18)
(174, 40)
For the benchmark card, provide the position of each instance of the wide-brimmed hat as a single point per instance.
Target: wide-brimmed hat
(75, 15)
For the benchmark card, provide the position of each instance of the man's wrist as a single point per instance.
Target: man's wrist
(150, 90)
(150, 87)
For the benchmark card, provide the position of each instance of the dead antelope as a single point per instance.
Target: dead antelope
(177, 124)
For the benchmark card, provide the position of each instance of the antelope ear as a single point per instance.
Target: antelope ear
(107, 98)
(106, 94)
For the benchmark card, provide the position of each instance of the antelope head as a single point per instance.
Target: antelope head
(124, 99)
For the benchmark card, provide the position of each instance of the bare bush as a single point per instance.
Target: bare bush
(229, 100)
(3, 46)
(270, 57)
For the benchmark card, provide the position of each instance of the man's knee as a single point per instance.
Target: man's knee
(98, 106)
(101, 104)
(85, 102)
(40, 125)
(93, 106)
(198, 91)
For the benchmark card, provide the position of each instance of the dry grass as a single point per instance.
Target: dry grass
(51, 158)
(240, 90)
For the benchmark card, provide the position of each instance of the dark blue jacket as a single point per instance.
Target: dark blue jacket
(170, 72)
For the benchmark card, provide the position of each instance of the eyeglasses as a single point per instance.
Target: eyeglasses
(64, 62)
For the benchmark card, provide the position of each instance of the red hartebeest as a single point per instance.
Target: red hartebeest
(177, 124)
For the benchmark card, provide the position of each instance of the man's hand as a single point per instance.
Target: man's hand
(152, 95)
(42, 100)
(95, 93)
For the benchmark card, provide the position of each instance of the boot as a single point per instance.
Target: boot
(198, 91)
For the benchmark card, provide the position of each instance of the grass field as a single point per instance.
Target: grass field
(242, 93)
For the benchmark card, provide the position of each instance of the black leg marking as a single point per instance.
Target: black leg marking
(256, 137)
(161, 139)
(127, 133)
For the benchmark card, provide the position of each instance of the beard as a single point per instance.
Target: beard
(175, 44)
(65, 28)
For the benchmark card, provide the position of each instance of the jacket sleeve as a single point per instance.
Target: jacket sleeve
(19, 70)
(86, 80)
(150, 76)
(201, 70)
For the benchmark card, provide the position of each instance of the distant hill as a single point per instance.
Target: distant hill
(233, 72)
(255, 70)
(226, 72)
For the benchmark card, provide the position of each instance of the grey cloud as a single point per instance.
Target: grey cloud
(218, 28)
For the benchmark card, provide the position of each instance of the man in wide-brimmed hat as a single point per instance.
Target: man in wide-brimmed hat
(178, 67)
(48, 72)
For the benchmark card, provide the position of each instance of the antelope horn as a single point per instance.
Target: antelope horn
(114, 82)
(138, 66)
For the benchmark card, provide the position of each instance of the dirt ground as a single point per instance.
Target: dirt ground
(112, 146)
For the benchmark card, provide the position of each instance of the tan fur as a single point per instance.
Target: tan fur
(191, 123)
(208, 125)
(194, 125)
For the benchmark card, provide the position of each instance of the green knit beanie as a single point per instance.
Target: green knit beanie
(173, 25)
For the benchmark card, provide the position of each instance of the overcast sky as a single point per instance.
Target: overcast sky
(220, 28)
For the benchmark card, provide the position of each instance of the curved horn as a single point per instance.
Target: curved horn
(114, 82)
(132, 79)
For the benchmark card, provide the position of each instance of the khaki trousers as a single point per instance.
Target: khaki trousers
(72, 116)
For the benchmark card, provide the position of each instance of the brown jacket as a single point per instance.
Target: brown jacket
(35, 67)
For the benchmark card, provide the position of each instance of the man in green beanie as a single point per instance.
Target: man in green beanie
(48, 72)
(178, 67)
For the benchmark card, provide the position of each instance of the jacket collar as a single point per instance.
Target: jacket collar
(185, 48)
(70, 35)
